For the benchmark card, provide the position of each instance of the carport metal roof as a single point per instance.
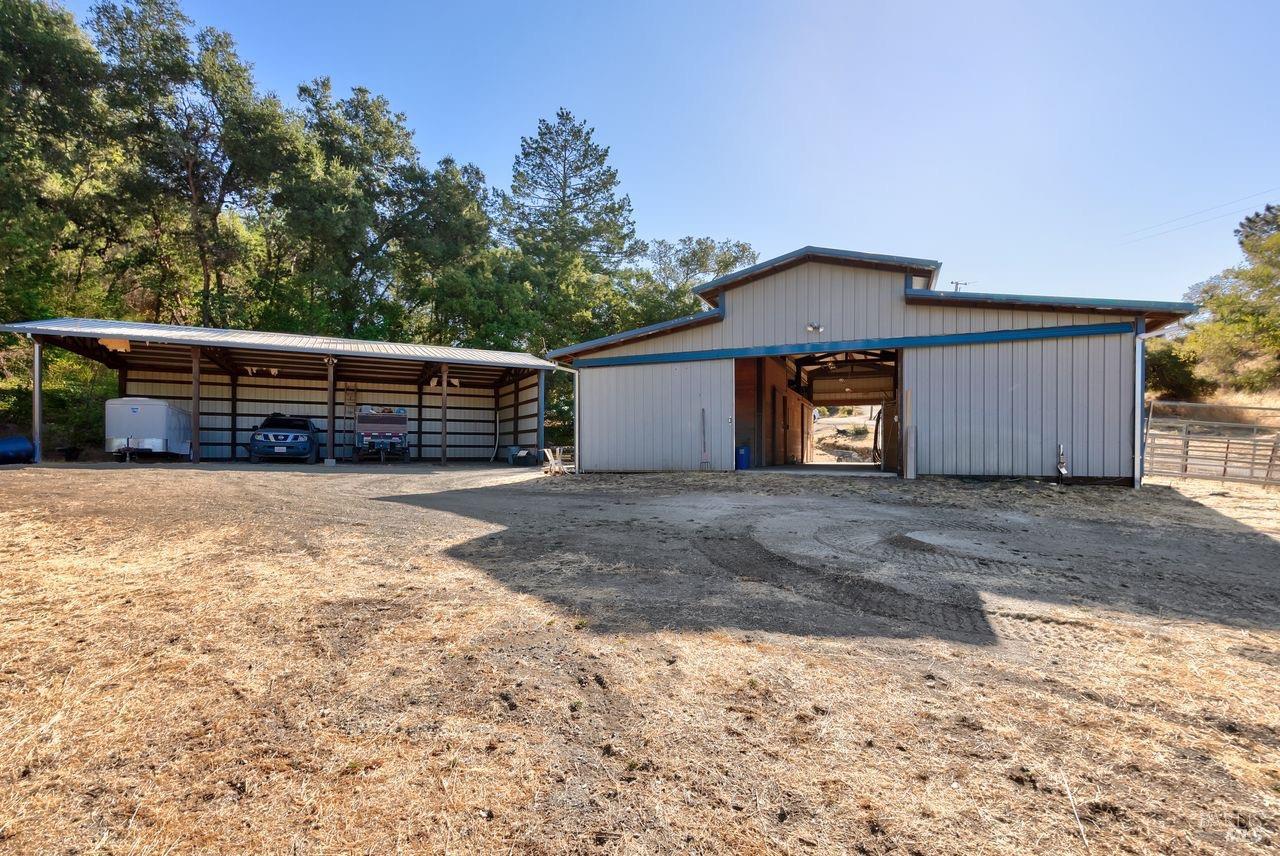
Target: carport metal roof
(139, 346)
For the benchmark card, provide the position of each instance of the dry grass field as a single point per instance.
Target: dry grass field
(372, 660)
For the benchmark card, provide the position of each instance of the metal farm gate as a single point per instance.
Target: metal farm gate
(1213, 441)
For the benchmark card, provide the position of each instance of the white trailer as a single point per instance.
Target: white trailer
(149, 426)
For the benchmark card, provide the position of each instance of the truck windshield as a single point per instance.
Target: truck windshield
(287, 423)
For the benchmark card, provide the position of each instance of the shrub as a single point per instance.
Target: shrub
(1171, 372)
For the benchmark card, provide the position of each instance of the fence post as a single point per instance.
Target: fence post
(1186, 448)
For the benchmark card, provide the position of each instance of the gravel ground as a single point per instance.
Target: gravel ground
(474, 659)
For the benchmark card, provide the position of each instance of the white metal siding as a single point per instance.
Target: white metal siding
(984, 409)
(848, 303)
(1001, 409)
(649, 417)
(471, 410)
(518, 412)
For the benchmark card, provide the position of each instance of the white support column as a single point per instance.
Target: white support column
(37, 400)
(1139, 396)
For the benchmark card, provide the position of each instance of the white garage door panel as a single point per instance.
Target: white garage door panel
(650, 417)
(1001, 409)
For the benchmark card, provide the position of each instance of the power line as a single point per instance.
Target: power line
(1250, 209)
(1201, 211)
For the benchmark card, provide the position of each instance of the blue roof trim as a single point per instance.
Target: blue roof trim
(627, 335)
(1021, 335)
(1118, 305)
(818, 253)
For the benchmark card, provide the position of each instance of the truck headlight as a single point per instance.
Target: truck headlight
(260, 436)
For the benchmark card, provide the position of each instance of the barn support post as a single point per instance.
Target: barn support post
(542, 411)
(421, 418)
(1139, 396)
(37, 399)
(444, 414)
(758, 451)
(331, 424)
(235, 417)
(122, 383)
(195, 405)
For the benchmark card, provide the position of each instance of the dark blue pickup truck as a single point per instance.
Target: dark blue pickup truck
(286, 438)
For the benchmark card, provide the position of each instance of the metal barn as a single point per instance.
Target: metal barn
(461, 402)
(970, 384)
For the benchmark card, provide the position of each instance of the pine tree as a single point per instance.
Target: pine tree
(564, 199)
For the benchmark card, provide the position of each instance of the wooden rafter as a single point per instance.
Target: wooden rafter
(87, 348)
(221, 358)
(429, 370)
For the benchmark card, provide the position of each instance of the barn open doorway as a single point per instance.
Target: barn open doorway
(834, 410)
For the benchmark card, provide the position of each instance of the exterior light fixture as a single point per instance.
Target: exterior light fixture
(813, 327)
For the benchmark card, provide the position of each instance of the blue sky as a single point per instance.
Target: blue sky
(1032, 148)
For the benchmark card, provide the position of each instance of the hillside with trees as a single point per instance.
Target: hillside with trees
(1233, 344)
(144, 175)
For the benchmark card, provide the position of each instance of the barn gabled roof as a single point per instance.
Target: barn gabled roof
(1157, 313)
(697, 319)
(711, 291)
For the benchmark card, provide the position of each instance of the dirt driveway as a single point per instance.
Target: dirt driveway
(229, 659)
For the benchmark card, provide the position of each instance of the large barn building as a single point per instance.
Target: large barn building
(970, 384)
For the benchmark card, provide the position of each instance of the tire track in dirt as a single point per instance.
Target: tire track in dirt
(743, 556)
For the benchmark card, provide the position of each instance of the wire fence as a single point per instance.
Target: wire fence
(1212, 441)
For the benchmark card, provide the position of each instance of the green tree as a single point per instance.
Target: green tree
(1260, 224)
(371, 228)
(1237, 339)
(664, 288)
(193, 126)
(485, 301)
(49, 120)
(1171, 371)
(564, 199)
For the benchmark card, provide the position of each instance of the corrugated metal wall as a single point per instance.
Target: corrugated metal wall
(638, 418)
(471, 410)
(990, 409)
(848, 303)
(1002, 409)
(518, 412)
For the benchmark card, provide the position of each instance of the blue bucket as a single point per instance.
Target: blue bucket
(742, 458)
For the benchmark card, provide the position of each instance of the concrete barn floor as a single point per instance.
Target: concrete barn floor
(476, 659)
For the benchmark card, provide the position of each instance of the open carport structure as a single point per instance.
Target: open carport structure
(461, 402)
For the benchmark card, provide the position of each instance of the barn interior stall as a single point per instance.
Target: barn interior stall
(463, 404)
(775, 398)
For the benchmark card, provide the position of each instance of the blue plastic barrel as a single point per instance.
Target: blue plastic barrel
(742, 458)
(16, 450)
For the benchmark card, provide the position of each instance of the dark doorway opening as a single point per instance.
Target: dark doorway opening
(778, 397)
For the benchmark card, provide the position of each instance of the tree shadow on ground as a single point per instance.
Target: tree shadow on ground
(682, 563)
(847, 566)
